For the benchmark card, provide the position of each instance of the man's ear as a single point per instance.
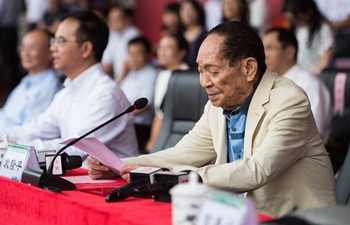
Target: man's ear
(249, 68)
(86, 49)
(291, 51)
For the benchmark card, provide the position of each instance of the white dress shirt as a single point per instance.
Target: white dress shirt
(139, 84)
(86, 102)
(117, 48)
(320, 99)
(30, 98)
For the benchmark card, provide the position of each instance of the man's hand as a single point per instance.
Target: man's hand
(97, 170)
(125, 171)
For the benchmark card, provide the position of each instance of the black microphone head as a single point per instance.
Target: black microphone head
(140, 103)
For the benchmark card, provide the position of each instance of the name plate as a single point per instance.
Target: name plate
(2, 154)
(3, 147)
(16, 159)
(224, 208)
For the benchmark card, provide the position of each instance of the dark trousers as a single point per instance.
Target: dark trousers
(9, 57)
(143, 133)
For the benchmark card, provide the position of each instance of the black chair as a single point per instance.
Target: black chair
(339, 140)
(183, 106)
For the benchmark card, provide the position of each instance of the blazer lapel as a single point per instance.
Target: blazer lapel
(256, 109)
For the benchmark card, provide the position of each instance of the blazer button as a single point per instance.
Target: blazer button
(233, 129)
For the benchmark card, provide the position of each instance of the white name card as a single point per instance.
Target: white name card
(16, 159)
(224, 208)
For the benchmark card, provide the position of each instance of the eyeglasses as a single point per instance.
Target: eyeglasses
(273, 48)
(60, 41)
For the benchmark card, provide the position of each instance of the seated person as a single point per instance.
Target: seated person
(171, 54)
(90, 96)
(257, 128)
(122, 30)
(281, 49)
(138, 79)
(37, 89)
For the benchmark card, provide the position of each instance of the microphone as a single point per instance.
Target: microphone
(138, 104)
(124, 192)
(39, 179)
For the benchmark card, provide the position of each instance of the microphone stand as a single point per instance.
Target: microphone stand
(39, 179)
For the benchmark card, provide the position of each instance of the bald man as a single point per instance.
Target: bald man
(36, 90)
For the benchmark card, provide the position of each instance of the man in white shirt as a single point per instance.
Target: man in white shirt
(139, 78)
(121, 32)
(37, 89)
(281, 49)
(90, 96)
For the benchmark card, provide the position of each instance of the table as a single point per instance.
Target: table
(24, 204)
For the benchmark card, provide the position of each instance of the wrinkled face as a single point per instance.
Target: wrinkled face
(138, 56)
(275, 53)
(232, 9)
(35, 52)
(67, 50)
(168, 52)
(188, 14)
(117, 20)
(227, 87)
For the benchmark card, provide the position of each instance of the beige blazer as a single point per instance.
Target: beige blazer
(285, 163)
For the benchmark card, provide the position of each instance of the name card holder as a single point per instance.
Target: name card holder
(3, 147)
(16, 159)
(224, 208)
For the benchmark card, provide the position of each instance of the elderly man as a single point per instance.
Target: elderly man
(257, 133)
(90, 96)
(37, 89)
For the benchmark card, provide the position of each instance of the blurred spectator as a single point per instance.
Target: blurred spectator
(89, 98)
(36, 90)
(52, 15)
(122, 30)
(171, 54)
(314, 35)
(213, 13)
(235, 10)
(258, 16)
(139, 78)
(171, 19)
(338, 13)
(76, 5)
(35, 12)
(193, 18)
(127, 4)
(9, 10)
(281, 48)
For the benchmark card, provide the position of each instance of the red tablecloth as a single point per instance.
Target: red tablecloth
(25, 205)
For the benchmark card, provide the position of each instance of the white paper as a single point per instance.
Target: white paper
(96, 149)
(86, 179)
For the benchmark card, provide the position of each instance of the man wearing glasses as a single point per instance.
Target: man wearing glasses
(90, 97)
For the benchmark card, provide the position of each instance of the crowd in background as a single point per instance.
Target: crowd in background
(142, 68)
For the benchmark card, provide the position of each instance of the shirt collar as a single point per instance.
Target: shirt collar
(68, 82)
(29, 80)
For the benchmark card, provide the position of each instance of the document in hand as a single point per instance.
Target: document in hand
(96, 149)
